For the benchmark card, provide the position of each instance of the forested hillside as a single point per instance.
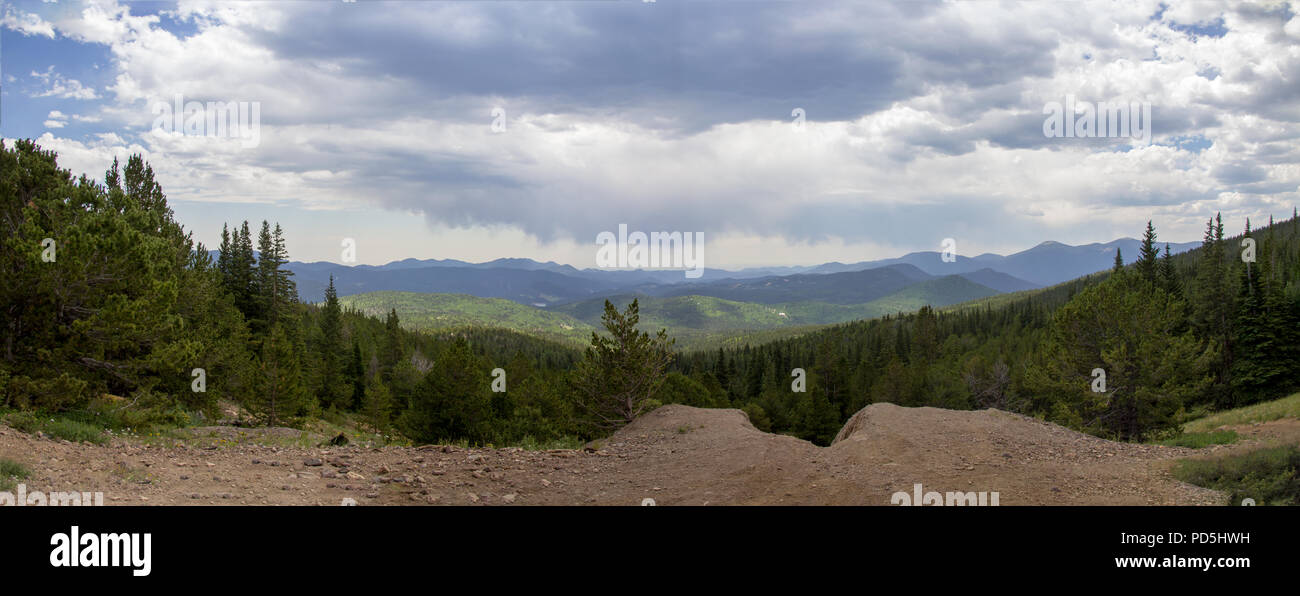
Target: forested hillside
(440, 312)
(1172, 334)
(113, 313)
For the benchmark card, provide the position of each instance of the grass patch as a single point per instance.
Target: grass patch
(1198, 440)
(101, 418)
(1287, 407)
(11, 472)
(56, 426)
(1268, 475)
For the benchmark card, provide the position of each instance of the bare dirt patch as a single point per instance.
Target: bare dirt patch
(676, 455)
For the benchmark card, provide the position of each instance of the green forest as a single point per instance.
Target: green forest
(113, 310)
(1175, 336)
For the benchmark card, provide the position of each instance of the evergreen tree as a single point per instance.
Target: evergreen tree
(1130, 331)
(453, 401)
(285, 291)
(1169, 275)
(1263, 333)
(105, 312)
(243, 281)
(225, 254)
(377, 406)
(620, 373)
(1213, 309)
(268, 291)
(280, 394)
(356, 374)
(818, 418)
(335, 390)
(1148, 255)
(392, 351)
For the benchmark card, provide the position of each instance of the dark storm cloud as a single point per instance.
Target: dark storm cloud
(671, 65)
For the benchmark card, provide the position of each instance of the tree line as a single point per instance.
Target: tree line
(1173, 335)
(108, 299)
(126, 308)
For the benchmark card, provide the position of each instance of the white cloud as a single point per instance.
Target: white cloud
(26, 23)
(55, 85)
(56, 119)
(380, 108)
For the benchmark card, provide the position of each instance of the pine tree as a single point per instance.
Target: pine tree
(267, 282)
(453, 401)
(1132, 334)
(243, 281)
(378, 405)
(1262, 360)
(1169, 275)
(818, 417)
(392, 350)
(356, 375)
(1213, 309)
(281, 394)
(1148, 255)
(619, 374)
(110, 312)
(286, 291)
(225, 255)
(335, 389)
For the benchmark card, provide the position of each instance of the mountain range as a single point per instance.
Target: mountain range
(565, 304)
(541, 284)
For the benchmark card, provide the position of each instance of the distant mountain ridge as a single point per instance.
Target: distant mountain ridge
(564, 303)
(536, 283)
(1046, 264)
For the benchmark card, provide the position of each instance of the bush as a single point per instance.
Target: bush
(1269, 475)
(10, 472)
(758, 417)
(58, 427)
(144, 410)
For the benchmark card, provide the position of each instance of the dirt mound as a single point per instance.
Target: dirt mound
(1025, 460)
(679, 418)
(675, 455)
(901, 432)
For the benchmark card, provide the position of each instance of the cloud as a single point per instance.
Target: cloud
(55, 85)
(56, 119)
(922, 119)
(26, 23)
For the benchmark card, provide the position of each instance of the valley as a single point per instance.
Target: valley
(724, 308)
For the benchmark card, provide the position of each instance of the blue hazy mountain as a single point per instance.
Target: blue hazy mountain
(532, 282)
(1047, 264)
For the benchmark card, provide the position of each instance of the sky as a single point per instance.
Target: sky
(786, 133)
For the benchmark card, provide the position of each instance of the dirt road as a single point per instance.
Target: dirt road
(676, 455)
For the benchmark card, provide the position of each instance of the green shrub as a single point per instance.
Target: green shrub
(58, 427)
(758, 417)
(10, 472)
(1268, 475)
